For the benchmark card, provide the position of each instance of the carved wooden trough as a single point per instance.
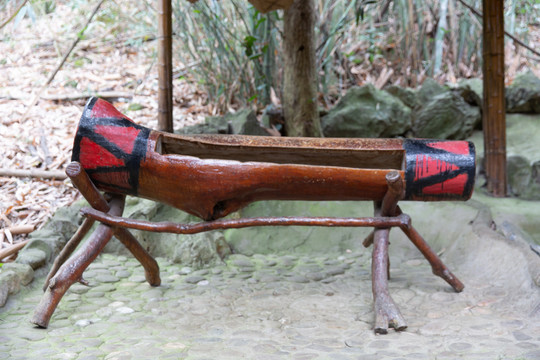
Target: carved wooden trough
(211, 176)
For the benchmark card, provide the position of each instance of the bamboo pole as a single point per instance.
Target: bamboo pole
(493, 110)
(165, 113)
(33, 173)
(4, 253)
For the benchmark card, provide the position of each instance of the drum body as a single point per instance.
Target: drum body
(211, 176)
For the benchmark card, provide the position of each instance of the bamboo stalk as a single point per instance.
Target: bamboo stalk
(12, 249)
(493, 110)
(42, 174)
(439, 38)
(21, 229)
(165, 111)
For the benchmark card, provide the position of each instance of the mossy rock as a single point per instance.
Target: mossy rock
(523, 96)
(523, 177)
(242, 122)
(445, 116)
(428, 90)
(192, 250)
(471, 90)
(369, 113)
(406, 95)
(297, 239)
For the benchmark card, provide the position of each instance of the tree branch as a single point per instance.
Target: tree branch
(516, 40)
(14, 14)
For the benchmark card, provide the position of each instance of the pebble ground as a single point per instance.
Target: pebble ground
(267, 307)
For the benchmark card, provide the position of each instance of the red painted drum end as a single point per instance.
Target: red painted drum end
(439, 170)
(110, 147)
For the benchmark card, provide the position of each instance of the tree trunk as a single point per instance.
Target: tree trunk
(300, 75)
(493, 110)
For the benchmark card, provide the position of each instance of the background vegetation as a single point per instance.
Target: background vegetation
(237, 49)
(234, 52)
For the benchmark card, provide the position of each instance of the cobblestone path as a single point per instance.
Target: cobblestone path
(269, 307)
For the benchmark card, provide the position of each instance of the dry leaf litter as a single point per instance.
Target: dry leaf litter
(101, 62)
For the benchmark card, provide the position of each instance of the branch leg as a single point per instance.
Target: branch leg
(437, 265)
(387, 313)
(80, 179)
(73, 268)
(68, 249)
(387, 207)
(150, 265)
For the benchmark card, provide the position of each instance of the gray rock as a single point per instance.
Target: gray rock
(429, 89)
(201, 272)
(140, 208)
(406, 95)
(242, 122)
(4, 292)
(335, 270)
(54, 235)
(299, 279)
(519, 174)
(367, 112)
(523, 178)
(521, 336)
(197, 251)
(299, 240)
(33, 257)
(123, 274)
(315, 276)
(24, 272)
(107, 278)
(240, 260)
(471, 90)
(222, 247)
(194, 279)
(445, 116)
(31, 334)
(523, 95)
(10, 283)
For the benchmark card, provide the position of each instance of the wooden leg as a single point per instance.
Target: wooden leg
(74, 267)
(387, 313)
(151, 267)
(80, 179)
(437, 265)
(387, 207)
(68, 249)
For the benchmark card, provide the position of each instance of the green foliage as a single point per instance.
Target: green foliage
(238, 50)
(71, 83)
(80, 61)
(135, 107)
(43, 7)
(233, 46)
